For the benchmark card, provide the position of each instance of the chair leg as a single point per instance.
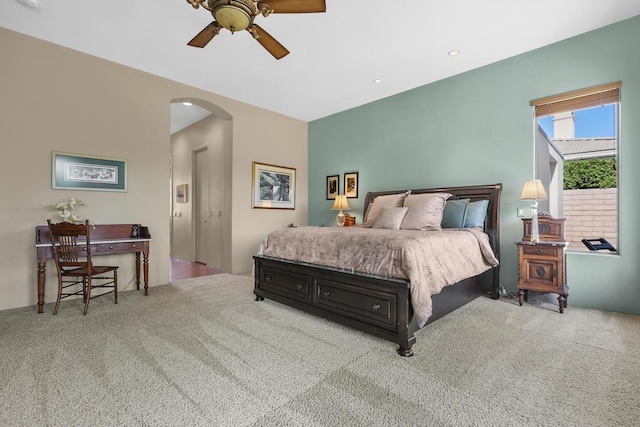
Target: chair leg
(55, 309)
(88, 296)
(115, 285)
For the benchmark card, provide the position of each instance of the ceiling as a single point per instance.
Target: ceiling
(183, 116)
(335, 56)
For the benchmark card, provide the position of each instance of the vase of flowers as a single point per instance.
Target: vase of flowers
(65, 210)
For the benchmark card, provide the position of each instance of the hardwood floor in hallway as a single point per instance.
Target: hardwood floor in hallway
(181, 269)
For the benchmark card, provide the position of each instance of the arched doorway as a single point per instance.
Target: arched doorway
(200, 189)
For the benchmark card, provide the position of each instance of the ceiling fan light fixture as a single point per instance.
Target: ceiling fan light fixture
(238, 15)
(234, 15)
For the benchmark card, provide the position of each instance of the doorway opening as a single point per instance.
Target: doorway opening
(200, 209)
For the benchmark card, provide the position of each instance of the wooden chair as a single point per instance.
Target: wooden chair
(72, 254)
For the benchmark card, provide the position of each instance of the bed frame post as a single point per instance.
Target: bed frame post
(406, 334)
(495, 291)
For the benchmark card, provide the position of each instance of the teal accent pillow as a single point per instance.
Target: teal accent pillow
(454, 213)
(476, 213)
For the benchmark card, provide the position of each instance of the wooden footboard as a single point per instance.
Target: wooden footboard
(379, 306)
(371, 304)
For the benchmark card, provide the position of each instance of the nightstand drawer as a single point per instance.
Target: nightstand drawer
(541, 251)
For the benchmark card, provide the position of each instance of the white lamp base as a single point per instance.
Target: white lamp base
(340, 219)
(535, 231)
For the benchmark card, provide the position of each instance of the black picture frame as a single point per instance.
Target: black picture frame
(333, 186)
(351, 185)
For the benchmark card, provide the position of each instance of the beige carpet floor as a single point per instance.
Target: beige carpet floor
(202, 352)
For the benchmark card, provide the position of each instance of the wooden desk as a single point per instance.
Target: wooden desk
(106, 239)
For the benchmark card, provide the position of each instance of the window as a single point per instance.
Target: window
(577, 160)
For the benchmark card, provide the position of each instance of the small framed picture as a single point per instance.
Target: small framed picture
(351, 185)
(181, 193)
(333, 186)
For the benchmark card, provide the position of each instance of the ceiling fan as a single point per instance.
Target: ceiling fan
(238, 15)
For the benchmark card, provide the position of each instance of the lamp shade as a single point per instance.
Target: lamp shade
(533, 190)
(340, 203)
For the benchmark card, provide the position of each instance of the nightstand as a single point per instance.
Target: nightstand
(543, 263)
(543, 269)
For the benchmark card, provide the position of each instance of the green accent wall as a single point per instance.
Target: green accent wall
(478, 128)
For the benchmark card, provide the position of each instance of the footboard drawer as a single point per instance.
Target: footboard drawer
(373, 307)
(288, 284)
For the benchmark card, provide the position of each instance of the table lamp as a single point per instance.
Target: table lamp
(340, 203)
(534, 190)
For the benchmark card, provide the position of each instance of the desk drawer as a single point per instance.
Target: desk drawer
(115, 248)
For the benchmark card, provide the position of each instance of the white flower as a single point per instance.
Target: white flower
(64, 210)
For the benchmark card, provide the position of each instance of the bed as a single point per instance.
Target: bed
(380, 302)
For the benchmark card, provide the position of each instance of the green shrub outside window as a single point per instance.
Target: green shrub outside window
(590, 173)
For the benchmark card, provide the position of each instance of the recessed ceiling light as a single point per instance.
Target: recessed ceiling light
(377, 80)
(453, 52)
(31, 3)
(188, 104)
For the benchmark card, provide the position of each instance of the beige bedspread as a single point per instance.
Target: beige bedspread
(431, 260)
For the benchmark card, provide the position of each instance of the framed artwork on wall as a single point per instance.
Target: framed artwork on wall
(351, 185)
(181, 193)
(333, 186)
(83, 172)
(273, 187)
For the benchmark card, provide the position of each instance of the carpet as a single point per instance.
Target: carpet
(202, 352)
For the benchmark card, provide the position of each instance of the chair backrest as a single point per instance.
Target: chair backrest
(71, 244)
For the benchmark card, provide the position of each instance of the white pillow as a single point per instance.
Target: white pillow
(388, 201)
(390, 218)
(425, 211)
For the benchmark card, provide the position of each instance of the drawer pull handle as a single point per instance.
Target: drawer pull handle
(267, 278)
(539, 252)
(84, 249)
(376, 306)
(300, 286)
(555, 273)
(110, 247)
(133, 246)
(326, 293)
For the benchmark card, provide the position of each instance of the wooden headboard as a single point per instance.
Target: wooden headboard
(474, 192)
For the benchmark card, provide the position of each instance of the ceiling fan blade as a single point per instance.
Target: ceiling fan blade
(294, 6)
(272, 45)
(205, 36)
